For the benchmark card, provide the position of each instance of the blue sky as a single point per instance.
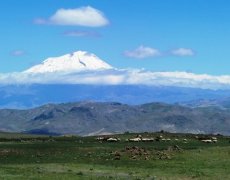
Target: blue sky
(200, 26)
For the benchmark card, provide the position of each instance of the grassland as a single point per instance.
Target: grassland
(43, 157)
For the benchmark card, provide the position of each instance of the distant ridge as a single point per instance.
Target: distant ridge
(95, 118)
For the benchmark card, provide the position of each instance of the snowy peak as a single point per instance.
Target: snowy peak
(76, 61)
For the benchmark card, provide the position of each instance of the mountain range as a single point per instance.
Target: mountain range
(92, 118)
(78, 93)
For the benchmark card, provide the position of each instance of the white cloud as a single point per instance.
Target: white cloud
(121, 76)
(83, 16)
(17, 53)
(78, 33)
(142, 52)
(183, 52)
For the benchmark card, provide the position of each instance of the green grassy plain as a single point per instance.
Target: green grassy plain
(43, 157)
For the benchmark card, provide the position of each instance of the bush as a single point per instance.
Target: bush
(80, 173)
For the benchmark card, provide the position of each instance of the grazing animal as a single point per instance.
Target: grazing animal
(185, 141)
(135, 139)
(206, 140)
(113, 139)
(139, 136)
(147, 139)
(100, 138)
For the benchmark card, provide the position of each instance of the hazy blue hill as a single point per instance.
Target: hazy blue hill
(28, 96)
(223, 103)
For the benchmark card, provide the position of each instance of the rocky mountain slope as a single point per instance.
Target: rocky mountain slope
(89, 118)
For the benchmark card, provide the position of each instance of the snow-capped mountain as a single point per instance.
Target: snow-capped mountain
(83, 76)
(84, 68)
(77, 61)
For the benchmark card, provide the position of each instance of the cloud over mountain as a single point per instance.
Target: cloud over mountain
(78, 33)
(83, 16)
(183, 52)
(142, 52)
(17, 53)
